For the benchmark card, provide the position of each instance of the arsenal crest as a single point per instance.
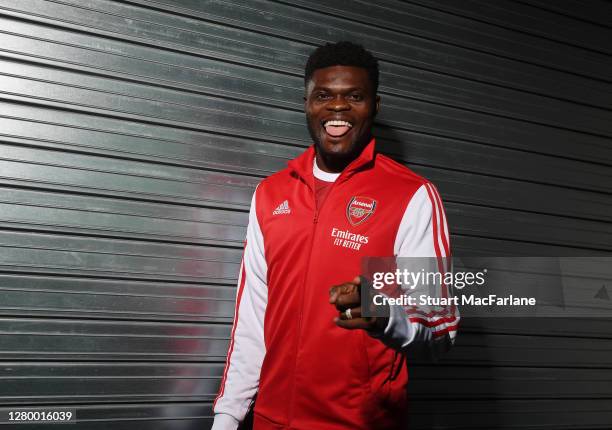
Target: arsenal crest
(359, 209)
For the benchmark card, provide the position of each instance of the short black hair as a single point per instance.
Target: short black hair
(342, 53)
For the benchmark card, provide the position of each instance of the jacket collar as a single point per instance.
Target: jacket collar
(302, 165)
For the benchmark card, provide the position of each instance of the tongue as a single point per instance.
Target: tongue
(336, 130)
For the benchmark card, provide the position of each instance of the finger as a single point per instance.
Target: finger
(356, 323)
(348, 300)
(355, 313)
(337, 290)
(333, 293)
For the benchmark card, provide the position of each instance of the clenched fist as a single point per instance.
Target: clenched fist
(348, 296)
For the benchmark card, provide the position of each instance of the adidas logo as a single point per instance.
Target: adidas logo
(282, 209)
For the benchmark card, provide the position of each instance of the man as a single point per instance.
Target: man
(313, 363)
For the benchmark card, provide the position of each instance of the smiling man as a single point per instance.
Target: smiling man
(299, 341)
(340, 105)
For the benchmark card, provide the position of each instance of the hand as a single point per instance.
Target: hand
(347, 296)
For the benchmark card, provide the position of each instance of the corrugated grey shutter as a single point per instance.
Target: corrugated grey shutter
(133, 134)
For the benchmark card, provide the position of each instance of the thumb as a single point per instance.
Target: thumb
(338, 290)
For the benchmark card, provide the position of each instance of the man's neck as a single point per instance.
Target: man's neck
(332, 164)
(335, 163)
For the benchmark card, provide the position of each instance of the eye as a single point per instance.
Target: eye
(356, 97)
(322, 96)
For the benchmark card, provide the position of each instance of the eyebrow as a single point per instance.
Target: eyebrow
(330, 89)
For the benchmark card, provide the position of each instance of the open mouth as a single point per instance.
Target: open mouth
(337, 128)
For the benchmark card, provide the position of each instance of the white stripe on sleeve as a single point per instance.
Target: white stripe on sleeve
(423, 232)
(246, 349)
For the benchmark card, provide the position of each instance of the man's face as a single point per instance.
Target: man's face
(340, 106)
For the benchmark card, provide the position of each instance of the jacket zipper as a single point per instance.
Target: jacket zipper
(315, 221)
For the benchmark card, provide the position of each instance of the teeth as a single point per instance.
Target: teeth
(337, 123)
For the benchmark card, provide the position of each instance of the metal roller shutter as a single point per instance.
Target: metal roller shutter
(132, 135)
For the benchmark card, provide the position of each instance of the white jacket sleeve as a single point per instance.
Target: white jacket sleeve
(246, 351)
(423, 232)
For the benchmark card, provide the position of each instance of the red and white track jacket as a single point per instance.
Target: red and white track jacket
(308, 373)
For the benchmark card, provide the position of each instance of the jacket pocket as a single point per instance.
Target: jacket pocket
(382, 367)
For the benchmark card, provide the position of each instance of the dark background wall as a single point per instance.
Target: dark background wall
(132, 135)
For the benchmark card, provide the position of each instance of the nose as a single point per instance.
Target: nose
(338, 103)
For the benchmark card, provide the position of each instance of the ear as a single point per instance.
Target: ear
(377, 105)
(307, 88)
